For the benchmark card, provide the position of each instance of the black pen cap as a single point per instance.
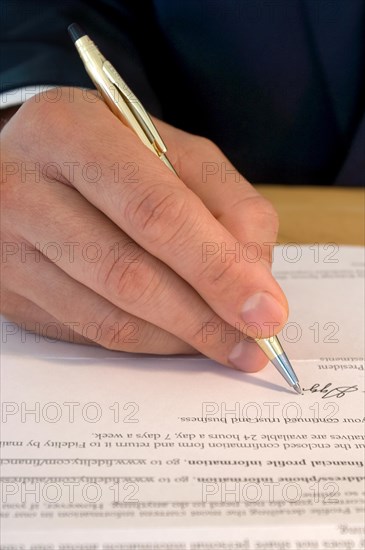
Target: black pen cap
(75, 31)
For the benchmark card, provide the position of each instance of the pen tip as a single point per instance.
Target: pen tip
(298, 389)
(75, 31)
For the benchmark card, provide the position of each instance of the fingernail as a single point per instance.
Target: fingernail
(262, 308)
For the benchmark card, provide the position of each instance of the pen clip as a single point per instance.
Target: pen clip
(139, 112)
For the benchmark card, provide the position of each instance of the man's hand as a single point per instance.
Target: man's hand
(102, 243)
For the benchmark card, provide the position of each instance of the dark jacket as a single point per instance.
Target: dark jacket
(279, 85)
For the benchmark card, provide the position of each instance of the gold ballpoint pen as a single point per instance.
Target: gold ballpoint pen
(124, 104)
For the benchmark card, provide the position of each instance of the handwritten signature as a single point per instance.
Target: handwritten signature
(329, 391)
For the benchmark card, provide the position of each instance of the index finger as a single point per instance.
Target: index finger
(226, 193)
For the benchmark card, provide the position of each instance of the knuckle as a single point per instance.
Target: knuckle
(207, 145)
(38, 110)
(268, 209)
(157, 213)
(122, 332)
(195, 148)
(221, 273)
(271, 216)
(43, 119)
(130, 282)
(263, 213)
(34, 118)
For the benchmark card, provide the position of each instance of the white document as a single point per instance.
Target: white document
(108, 451)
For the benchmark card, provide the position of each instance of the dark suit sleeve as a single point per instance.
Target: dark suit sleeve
(36, 47)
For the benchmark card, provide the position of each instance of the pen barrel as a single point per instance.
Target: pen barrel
(94, 63)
